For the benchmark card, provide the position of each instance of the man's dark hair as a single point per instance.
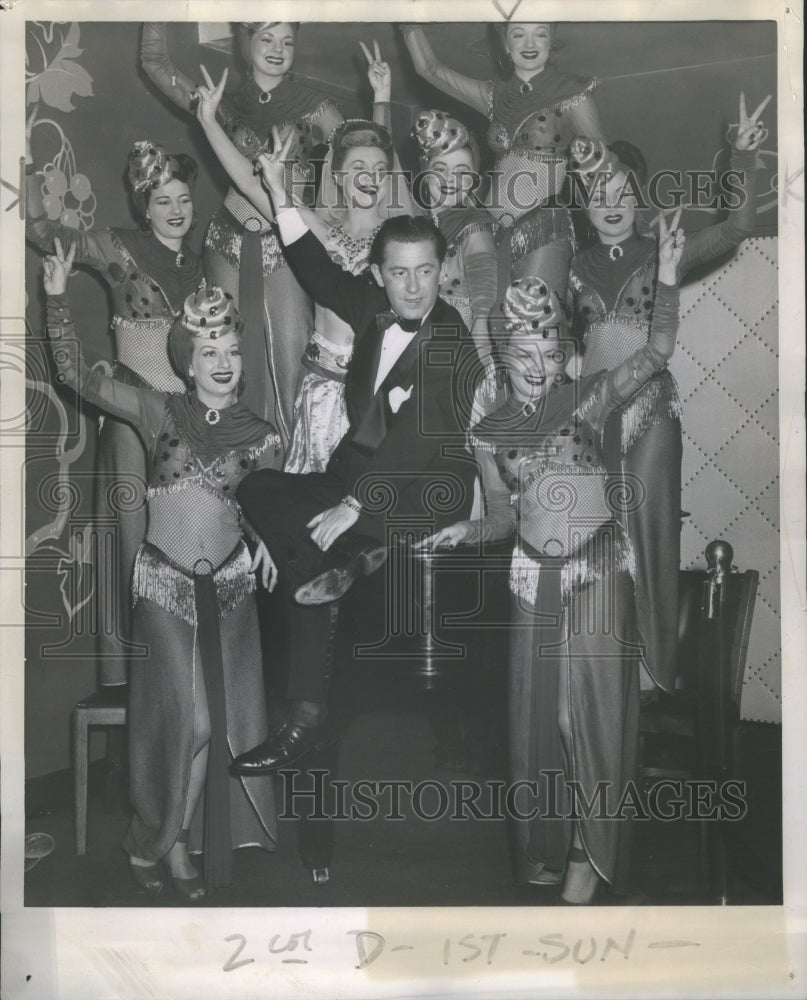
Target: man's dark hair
(407, 229)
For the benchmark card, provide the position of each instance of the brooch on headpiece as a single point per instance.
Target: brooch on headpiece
(530, 306)
(437, 132)
(150, 166)
(210, 312)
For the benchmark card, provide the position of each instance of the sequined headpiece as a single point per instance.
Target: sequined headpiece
(210, 313)
(367, 134)
(589, 156)
(438, 132)
(150, 166)
(253, 26)
(531, 306)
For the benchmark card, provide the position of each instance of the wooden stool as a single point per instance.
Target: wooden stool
(105, 707)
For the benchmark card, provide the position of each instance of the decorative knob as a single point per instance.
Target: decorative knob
(718, 557)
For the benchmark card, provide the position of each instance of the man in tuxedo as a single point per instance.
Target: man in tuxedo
(402, 461)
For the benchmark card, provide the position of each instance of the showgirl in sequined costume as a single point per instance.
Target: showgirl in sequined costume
(613, 283)
(362, 154)
(197, 698)
(449, 157)
(149, 272)
(360, 189)
(242, 253)
(534, 114)
(574, 687)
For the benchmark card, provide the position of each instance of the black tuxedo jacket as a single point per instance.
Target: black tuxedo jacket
(412, 464)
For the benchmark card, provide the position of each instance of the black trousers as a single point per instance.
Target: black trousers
(279, 505)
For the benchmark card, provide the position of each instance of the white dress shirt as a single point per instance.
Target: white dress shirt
(292, 227)
(394, 344)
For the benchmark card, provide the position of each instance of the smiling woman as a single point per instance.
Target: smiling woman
(242, 253)
(216, 370)
(149, 271)
(614, 288)
(197, 697)
(534, 114)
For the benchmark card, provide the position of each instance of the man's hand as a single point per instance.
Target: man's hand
(330, 524)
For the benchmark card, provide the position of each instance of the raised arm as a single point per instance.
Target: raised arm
(396, 198)
(239, 168)
(351, 298)
(586, 119)
(474, 93)
(157, 65)
(143, 408)
(715, 240)
(479, 261)
(380, 77)
(626, 379)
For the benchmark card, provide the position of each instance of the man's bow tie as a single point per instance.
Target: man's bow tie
(388, 319)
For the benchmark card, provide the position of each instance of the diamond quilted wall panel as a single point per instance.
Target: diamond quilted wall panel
(726, 365)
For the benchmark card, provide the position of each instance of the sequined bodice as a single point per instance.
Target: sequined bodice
(351, 253)
(559, 487)
(611, 336)
(136, 295)
(573, 444)
(548, 131)
(250, 142)
(141, 346)
(192, 507)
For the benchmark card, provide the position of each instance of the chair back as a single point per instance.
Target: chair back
(737, 612)
(691, 583)
(732, 604)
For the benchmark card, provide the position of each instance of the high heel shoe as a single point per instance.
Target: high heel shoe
(150, 877)
(577, 856)
(192, 888)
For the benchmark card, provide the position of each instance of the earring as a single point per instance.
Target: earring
(194, 221)
(505, 63)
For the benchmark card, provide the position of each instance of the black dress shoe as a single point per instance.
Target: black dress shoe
(288, 744)
(335, 582)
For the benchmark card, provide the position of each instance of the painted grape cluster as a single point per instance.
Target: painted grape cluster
(67, 195)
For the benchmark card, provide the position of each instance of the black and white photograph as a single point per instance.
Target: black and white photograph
(403, 539)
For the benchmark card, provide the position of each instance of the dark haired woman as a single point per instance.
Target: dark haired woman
(359, 190)
(149, 271)
(534, 114)
(242, 253)
(613, 282)
(198, 698)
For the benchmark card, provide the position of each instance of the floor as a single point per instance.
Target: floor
(398, 729)
(409, 862)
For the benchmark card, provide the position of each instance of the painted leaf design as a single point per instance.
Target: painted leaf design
(63, 77)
